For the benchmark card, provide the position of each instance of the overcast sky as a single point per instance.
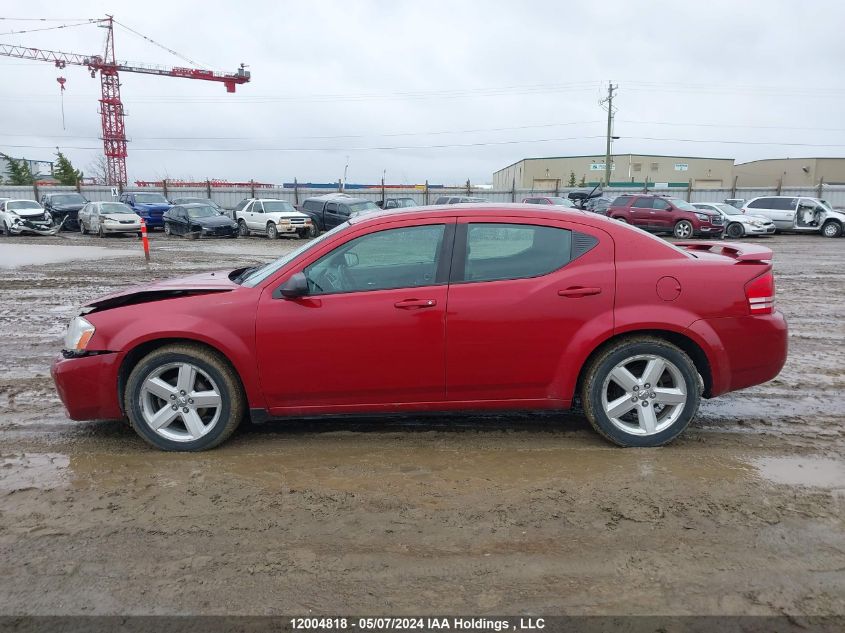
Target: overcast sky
(488, 82)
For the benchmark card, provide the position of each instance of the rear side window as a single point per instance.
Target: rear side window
(514, 251)
(621, 201)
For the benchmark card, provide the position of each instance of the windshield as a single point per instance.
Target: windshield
(826, 204)
(683, 205)
(727, 209)
(22, 204)
(260, 274)
(114, 207)
(150, 198)
(71, 198)
(562, 201)
(202, 212)
(277, 206)
(196, 201)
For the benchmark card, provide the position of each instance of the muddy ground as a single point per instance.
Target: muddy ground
(745, 514)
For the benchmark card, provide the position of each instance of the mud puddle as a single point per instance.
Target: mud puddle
(809, 471)
(15, 255)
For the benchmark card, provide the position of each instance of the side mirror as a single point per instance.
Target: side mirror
(351, 259)
(295, 286)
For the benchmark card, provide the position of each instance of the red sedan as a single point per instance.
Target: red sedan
(464, 308)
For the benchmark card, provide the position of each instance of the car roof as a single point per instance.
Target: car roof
(485, 209)
(193, 204)
(329, 196)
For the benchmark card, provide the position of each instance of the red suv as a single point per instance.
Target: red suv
(660, 214)
(462, 308)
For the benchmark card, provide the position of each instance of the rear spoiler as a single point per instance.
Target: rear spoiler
(740, 252)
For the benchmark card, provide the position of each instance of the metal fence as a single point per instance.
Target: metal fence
(228, 197)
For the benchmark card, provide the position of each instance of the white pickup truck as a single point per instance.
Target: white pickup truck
(271, 217)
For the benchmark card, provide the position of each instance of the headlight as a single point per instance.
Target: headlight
(755, 223)
(78, 335)
(703, 217)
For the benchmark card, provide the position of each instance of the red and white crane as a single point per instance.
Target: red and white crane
(111, 107)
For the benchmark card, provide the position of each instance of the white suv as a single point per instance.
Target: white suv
(794, 213)
(271, 217)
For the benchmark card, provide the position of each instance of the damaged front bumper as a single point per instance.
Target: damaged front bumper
(22, 226)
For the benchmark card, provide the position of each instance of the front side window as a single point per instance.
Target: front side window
(660, 204)
(642, 203)
(257, 207)
(405, 257)
(514, 251)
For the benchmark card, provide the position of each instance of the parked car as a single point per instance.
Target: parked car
(107, 218)
(150, 206)
(271, 217)
(199, 220)
(26, 217)
(552, 200)
(458, 200)
(598, 205)
(330, 210)
(396, 203)
(580, 197)
(737, 223)
(206, 201)
(590, 311)
(64, 208)
(660, 214)
(798, 214)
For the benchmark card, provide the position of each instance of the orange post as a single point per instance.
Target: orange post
(144, 240)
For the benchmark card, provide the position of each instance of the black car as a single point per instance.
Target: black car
(207, 201)
(198, 220)
(64, 208)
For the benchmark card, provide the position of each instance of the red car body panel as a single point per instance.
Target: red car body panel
(508, 344)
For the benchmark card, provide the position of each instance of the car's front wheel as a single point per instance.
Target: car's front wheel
(832, 228)
(683, 229)
(168, 230)
(184, 397)
(641, 392)
(101, 232)
(243, 229)
(735, 230)
(82, 227)
(272, 231)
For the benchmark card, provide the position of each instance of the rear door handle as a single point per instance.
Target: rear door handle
(415, 304)
(578, 291)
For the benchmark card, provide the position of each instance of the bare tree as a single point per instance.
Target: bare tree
(98, 170)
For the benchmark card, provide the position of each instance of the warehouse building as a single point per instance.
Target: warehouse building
(626, 170)
(791, 172)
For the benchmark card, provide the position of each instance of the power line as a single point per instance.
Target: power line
(161, 46)
(49, 28)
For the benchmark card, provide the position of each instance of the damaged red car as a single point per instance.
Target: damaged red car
(460, 309)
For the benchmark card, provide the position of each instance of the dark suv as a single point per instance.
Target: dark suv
(64, 208)
(660, 214)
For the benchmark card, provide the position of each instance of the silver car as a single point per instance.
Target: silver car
(105, 218)
(737, 223)
(798, 214)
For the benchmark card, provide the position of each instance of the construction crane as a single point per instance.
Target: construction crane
(111, 107)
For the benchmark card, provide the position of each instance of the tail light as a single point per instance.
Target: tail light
(761, 294)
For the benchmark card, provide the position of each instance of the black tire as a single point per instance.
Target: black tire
(82, 228)
(233, 402)
(168, 230)
(605, 362)
(314, 231)
(272, 231)
(301, 234)
(831, 228)
(243, 229)
(735, 230)
(621, 219)
(683, 229)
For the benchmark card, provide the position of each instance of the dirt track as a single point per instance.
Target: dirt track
(525, 514)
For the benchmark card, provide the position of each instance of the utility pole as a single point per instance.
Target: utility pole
(609, 101)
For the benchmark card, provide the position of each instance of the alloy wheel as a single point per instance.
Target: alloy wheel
(180, 402)
(683, 229)
(644, 395)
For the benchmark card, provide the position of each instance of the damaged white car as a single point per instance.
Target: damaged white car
(26, 216)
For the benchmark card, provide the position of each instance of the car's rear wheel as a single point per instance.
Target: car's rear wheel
(735, 230)
(243, 229)
(641, 392)
(832, 228)
(184, 397)
(621, 219)
(683, 229)
(272, 231)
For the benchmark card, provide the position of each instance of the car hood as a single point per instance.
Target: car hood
(27, 213)
(204, 283)
(753, 218)
(287, 214)
(157, 206)
(121, 216)
(67, 207)
(212, 221)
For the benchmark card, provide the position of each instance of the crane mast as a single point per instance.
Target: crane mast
(111, 107)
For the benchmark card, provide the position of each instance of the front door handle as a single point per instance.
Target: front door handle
(578, 291)
(415, 304)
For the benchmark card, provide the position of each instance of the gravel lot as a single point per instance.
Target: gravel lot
(519, 514)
